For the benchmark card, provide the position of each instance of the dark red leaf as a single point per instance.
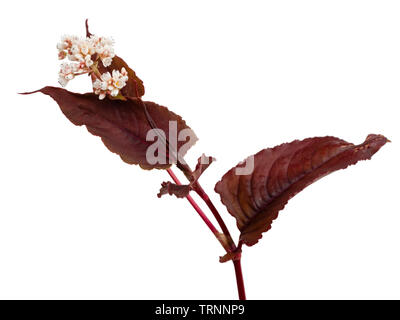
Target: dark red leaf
(122, 125)
(202, 164)
(282, 172)
(180, 191)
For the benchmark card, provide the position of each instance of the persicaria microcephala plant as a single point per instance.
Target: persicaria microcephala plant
(153, 137)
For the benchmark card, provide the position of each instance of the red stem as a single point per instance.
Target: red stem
(232, 246)
(195, 205)
(239, 279)
(200, 191)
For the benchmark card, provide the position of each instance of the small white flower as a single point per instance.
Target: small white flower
(66, 73)
(119, 84)
(75, 49)
(124, 74)
(106, 76)
(84, 47)
(110, 84)
(104, 48)
(118, 79)
(97, 84)
(88, 61)
(107, 61)
(66, 42)
(99, 42)
(104, 86)
(65, 45)
(114, 92)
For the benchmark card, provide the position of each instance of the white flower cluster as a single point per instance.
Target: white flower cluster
(67, 73)
(85, 54)
(82, 52)
(110, 84)
(104, 48)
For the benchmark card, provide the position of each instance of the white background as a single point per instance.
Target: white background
(77, 222)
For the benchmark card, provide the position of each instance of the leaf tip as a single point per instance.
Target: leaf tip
(377, 137)
(26, 93)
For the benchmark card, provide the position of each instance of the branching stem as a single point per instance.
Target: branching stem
(224, 238)
(196, 206)
(227, 243)
(203, 195)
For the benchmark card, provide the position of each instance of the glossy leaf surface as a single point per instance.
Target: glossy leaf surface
(280, 173)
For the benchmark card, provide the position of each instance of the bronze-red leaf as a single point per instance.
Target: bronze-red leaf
(180, 191)
(202, 164)
(280, 173)
(122, 125)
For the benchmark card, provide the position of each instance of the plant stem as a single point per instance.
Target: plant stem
(203, 195)
(239, 279)
(230, 246)
(196, 207)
